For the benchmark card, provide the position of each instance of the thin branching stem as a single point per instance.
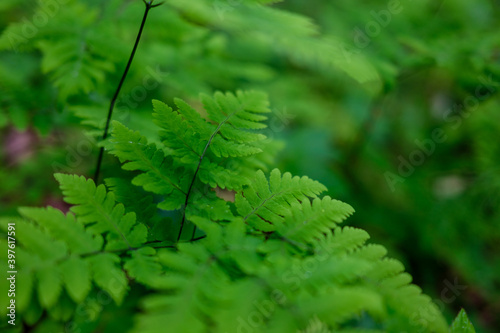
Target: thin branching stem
(202, 156)
(149, 5)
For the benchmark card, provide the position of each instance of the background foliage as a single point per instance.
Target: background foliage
(354, 92)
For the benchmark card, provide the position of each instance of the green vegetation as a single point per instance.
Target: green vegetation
(201, 220)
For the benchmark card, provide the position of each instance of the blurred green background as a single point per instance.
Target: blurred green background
(391, 104)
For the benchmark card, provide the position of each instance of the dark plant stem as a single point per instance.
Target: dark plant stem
(194, 232)
(194, 177)
(186, 202)
(159, 246)
(198, 238)
(149, 5)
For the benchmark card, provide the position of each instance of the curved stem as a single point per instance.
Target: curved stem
(149, 5)
(186, 202)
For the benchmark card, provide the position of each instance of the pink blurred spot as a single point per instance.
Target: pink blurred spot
(19, 146)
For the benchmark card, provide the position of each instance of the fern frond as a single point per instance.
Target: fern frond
(194, 147)
(184, 132)
(160, 174)
(290, 34)
(228, 132)
(65, 60)
(307, 222)
(195, 285)
(79, 260)
(97, 208)
(264, 203)
(143, 266)
(76, 275)
(65, 228)
(337, 305)
(462, 324)
(135, 200)
(405, 300)
(343, 240)
(108, 275)
(57, 261)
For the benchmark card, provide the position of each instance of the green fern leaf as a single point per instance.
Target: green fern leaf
(289, 34)
(307, 222)
(462, 324)
(203, 144)
(265, 203)
(336, 305)
(49, 285)
(343, 240)
(72, 54)
(26, 284)
(66, 60)
(75, 273)
(144, 267)
(63, 310)
(64, 227)
(36, 241)
(96, 207)
(135, 200)
(192, 280)
(159, 176)
(109, 276)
